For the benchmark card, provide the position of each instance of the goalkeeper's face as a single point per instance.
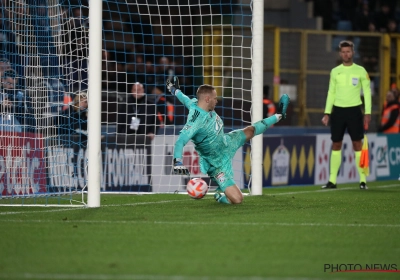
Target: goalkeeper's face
(212, 100)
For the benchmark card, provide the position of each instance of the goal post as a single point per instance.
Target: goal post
(94, 102)
(116, 56)
(44, 89)
(257, 93)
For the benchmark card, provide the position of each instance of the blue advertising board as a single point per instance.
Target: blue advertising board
(288, 160)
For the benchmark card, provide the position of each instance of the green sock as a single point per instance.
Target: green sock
(223, 199)
(262, 125)
(336, 160)
(360, 169)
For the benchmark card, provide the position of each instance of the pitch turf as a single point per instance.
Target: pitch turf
(288, 233)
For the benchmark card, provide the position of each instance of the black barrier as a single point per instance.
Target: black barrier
(126, 163)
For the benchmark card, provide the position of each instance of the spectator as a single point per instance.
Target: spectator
(73, 121)
(390, 3)
(164, 70)
(72, 125)
(15, 101)
(139, 73)
(363, 18)
(165, 108)
(392, 26)
(369, 50)
(269, 106)
(391, 29)
(390, 122)
(382, 17)
(8, 121)
(4, 65)
(179, 69)
(138, 114)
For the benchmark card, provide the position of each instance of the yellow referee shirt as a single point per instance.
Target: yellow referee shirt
(345, 87)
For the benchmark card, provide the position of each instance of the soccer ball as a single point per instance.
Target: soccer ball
(197, 188)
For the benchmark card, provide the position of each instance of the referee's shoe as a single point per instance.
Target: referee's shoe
(329, 185)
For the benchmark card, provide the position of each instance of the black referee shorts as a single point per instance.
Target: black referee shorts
(350, 118)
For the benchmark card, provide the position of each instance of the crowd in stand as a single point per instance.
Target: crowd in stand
(122, 70)
(140, 69)
(138, 62)
(361, 14)
(16, 110)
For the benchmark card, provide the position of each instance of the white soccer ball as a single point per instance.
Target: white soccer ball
(197, 188)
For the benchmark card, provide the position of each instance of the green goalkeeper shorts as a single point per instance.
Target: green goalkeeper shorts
(223, 174)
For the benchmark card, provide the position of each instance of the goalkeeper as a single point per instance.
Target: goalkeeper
(216, 148)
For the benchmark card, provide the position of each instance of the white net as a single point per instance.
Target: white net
(43, 83)
(144, 44)
(148, 43)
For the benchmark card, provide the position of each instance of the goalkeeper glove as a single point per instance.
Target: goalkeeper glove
(179, 168)
(172, 87)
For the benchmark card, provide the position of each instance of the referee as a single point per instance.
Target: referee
(344, 111)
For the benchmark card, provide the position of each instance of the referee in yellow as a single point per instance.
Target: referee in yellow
(344, 111)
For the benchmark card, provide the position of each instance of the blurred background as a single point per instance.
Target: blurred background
(149, 41)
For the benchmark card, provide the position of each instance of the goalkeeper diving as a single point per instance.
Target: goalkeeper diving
(216, 148)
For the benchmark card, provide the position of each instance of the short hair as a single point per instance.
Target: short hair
(10, 74)
(346, 43)
(79, 96)
(204, 89)
(130, 85)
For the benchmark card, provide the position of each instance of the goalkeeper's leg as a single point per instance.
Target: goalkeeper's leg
(232, 195)
(227, 192)
(261, 126)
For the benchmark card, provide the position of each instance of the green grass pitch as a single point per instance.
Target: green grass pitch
(288, 233)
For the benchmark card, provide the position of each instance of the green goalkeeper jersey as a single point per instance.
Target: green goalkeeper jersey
(345, 85)
(206, 130)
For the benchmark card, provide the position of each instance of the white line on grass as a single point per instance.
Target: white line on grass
(204, 223)
(137, 277)
(70, 209)
(333, 190)
(44, 211)
(167, 201)
(142, 203)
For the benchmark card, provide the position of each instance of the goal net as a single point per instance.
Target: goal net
(45, 45)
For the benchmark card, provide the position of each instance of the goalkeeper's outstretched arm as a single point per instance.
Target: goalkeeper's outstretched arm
(173, 88)
(179, 168)
(187, 133)
(180, 144)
